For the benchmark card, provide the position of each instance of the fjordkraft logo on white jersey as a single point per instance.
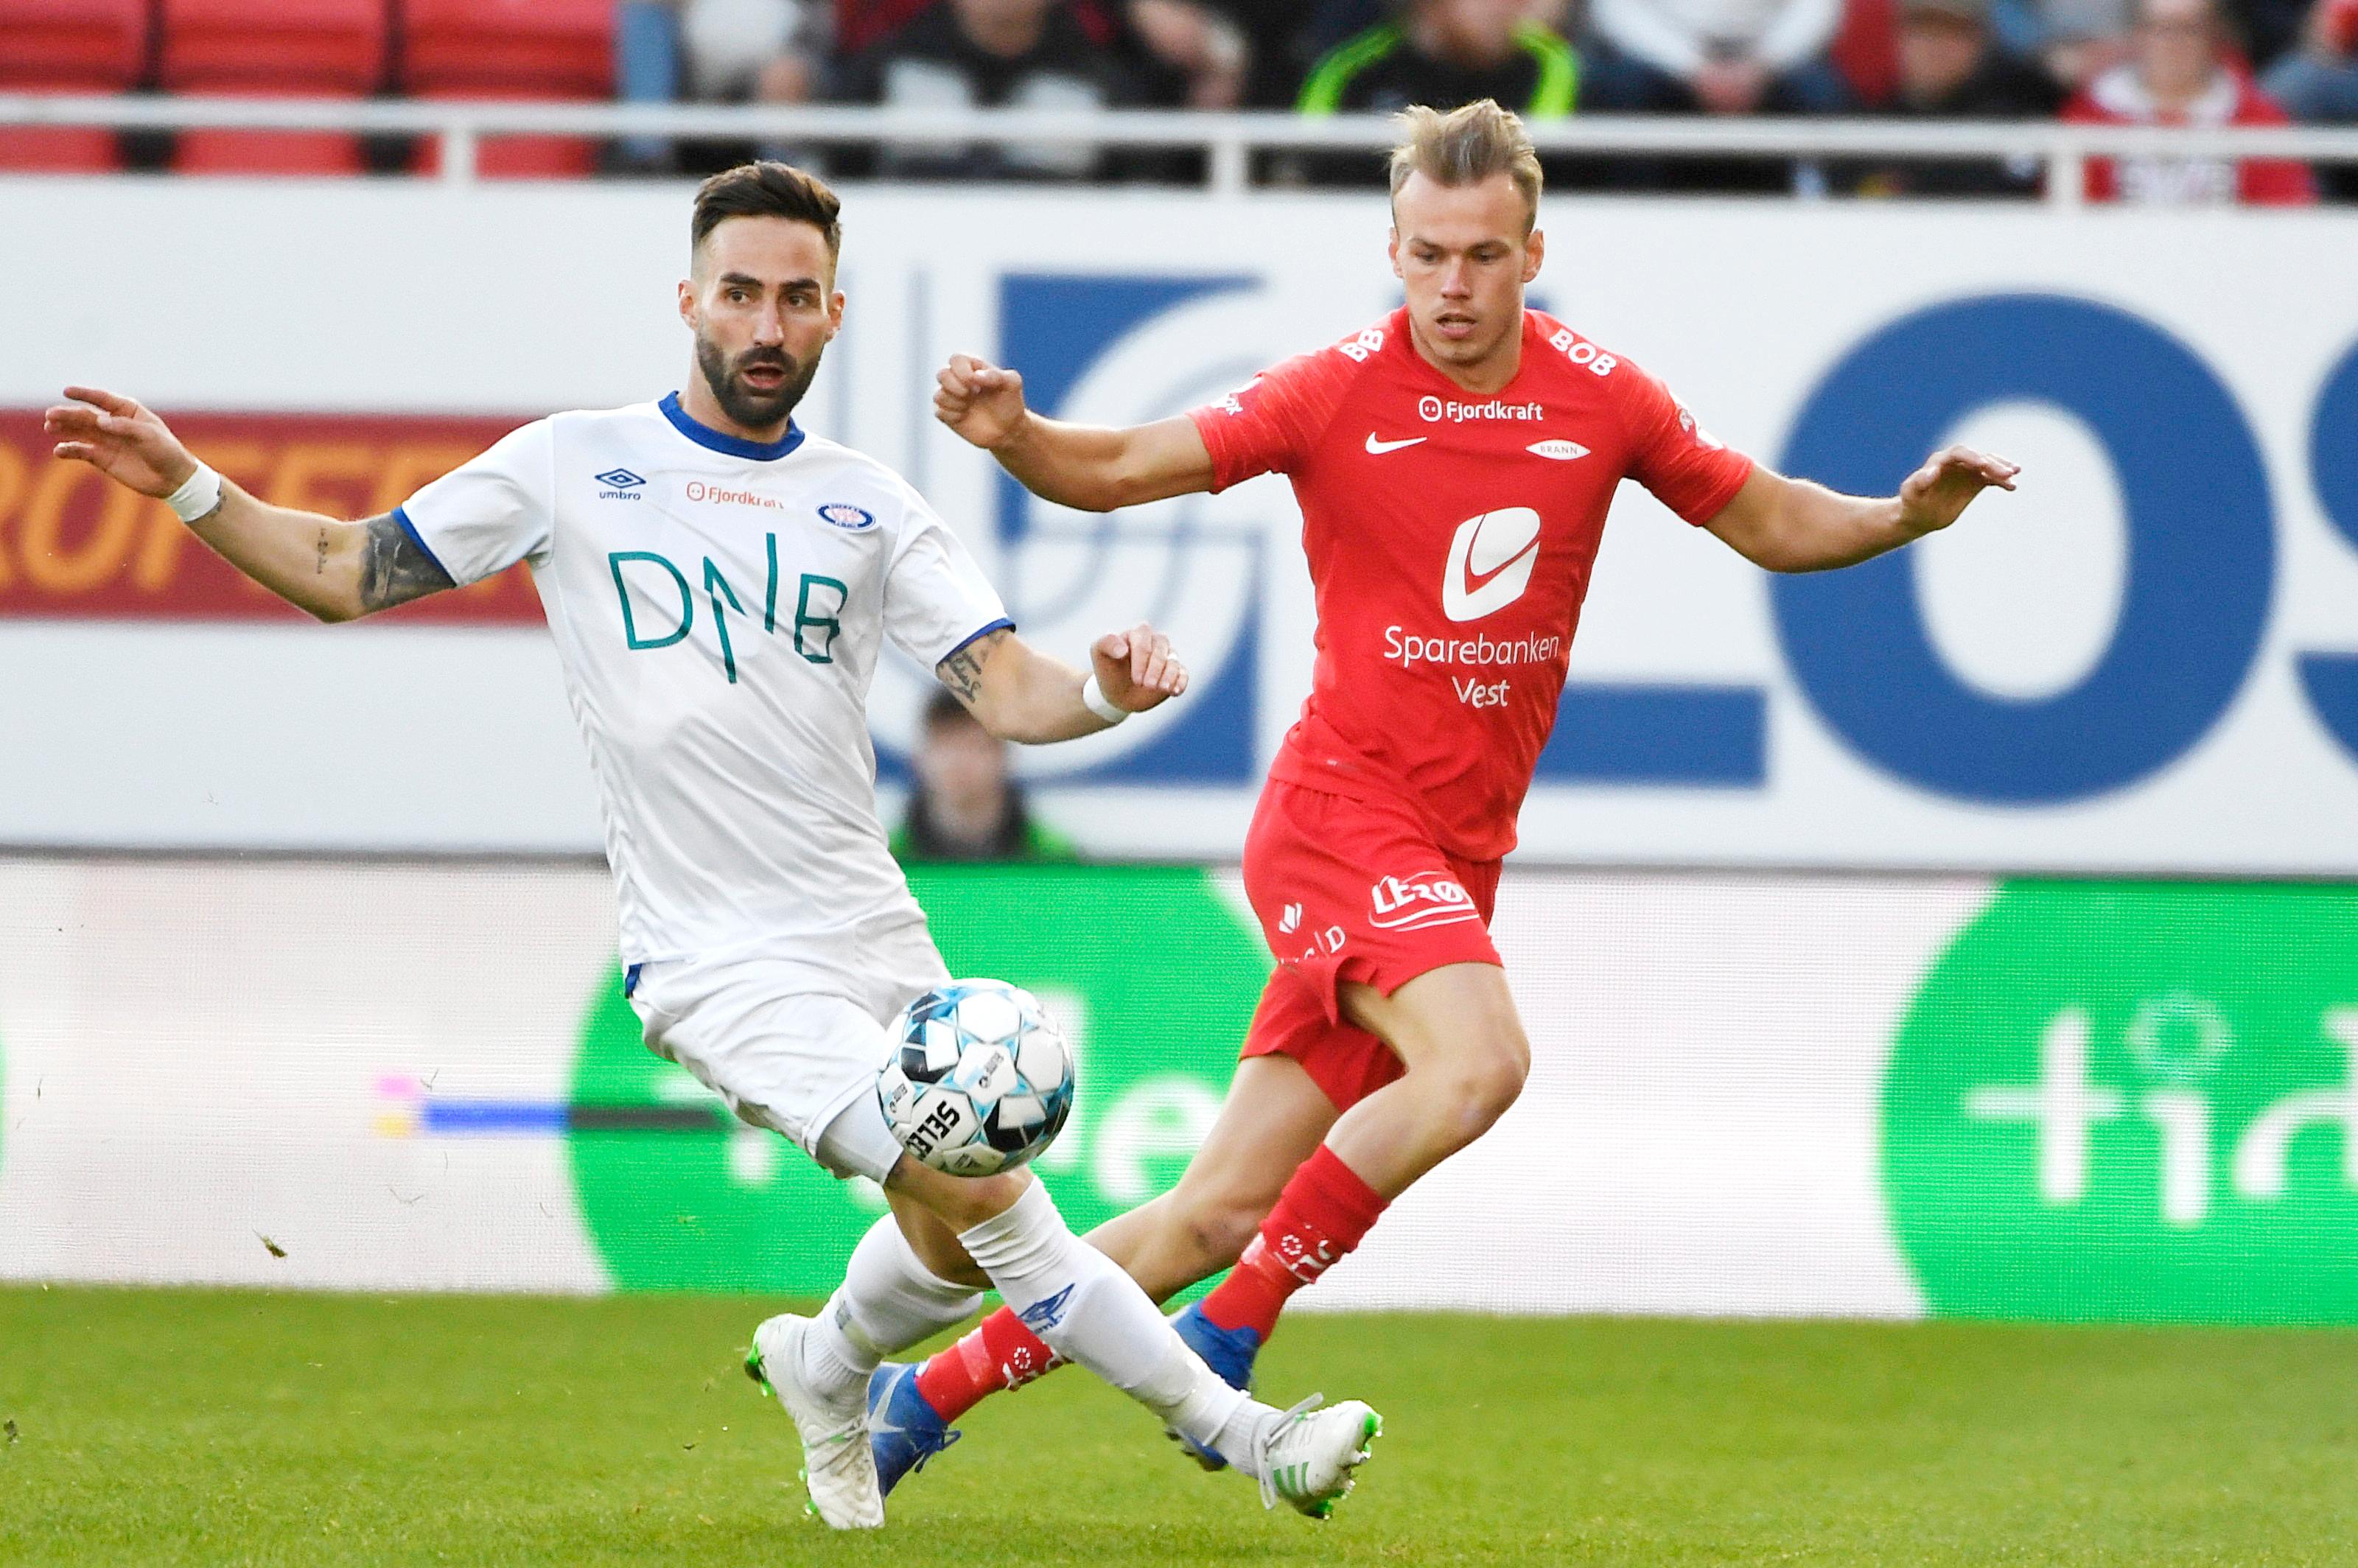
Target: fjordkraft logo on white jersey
(1419, 900)
(1490, 561)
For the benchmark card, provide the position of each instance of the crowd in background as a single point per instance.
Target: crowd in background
(2189, 62)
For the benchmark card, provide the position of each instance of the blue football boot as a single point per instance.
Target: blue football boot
(903, 1430)
(1227, 1351)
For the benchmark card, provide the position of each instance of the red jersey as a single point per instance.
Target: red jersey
(2119, 98)
(1450, 539)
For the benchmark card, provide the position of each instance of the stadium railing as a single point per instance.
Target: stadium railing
(1228, 141)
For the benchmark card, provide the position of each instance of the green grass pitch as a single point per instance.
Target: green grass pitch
(223, 1427)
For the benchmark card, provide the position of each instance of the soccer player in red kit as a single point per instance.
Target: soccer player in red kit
(1453, 464)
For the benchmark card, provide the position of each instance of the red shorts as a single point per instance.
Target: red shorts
(1352, 890)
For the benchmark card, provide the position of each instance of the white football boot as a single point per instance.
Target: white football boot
(1308, 1457)
(838, 1466)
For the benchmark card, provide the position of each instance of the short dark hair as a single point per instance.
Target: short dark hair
(767, 190)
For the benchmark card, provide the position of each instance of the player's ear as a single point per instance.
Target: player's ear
(688, 301)
(1392, 250)
(834, 314)
(1534, 250)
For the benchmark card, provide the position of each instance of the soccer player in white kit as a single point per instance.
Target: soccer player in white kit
(719, 583)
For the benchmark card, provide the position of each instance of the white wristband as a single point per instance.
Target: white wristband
(1093, 697)
(198, 496)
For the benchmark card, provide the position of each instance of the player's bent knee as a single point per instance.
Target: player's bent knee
(1479, 1086)
(1218, 1228)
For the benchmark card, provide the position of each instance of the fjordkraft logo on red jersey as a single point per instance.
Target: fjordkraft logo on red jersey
(1490, 562)
(1419, 900)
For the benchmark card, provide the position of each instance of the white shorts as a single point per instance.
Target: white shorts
(798, 1062)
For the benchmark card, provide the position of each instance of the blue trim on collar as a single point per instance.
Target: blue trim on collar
(733, 446)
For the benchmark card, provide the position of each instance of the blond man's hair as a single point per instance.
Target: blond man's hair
(1465, 146)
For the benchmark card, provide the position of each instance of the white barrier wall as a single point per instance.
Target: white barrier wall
(1754, 1095)
(2146, 661)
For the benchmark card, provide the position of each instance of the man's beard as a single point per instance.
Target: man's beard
(749, 406)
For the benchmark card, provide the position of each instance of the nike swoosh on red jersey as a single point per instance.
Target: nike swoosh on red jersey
(1377, 448)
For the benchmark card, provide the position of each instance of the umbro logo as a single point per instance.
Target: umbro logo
(619, 483)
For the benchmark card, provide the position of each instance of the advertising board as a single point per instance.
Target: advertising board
(2145, 662)
(1751, 1094)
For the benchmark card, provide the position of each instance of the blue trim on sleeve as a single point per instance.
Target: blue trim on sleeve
(1001, 624)
(402, 517)
(733, 446)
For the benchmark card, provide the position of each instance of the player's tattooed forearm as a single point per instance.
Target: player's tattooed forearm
(321, 569)
(962, 671)
(393, 570)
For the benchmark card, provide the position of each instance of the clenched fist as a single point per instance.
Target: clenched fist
(981, 402)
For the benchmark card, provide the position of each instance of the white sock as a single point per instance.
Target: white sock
(1088, 1310)
(888, 1301)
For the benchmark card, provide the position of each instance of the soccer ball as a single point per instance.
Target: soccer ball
(978, 1081)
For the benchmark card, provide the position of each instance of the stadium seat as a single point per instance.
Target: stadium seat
(299, 47)
(514, 157)
(69, 46)
(305, 48)
(511, 49)
(58, 149)
(526, 48)
(72, 45)
(268, 152)
(1866, 49)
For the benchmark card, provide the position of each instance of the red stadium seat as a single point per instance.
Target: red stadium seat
(72, 45)
(268, 152)
(528, 49)
(305, 47)
(514, 157)
(58, 149)
(69, 46)
(511, 49)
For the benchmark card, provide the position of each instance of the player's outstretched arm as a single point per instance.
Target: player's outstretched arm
(335, 571)
(1090, 467)
(1793, 526)
(1022, 694)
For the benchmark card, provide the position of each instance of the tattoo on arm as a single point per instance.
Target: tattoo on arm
(393, 570)
(962, 671)
(321, 569)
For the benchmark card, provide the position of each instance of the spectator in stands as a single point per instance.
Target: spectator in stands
(769, 49)
(1193, 52)
(723, 51)
(2266, 30)
(1720, 57)
(1445, 53)
(1202, 53)
(2079, 40)
(2183, 70)
(1029, 54)
(1953, 68)
(965, 807)
(2319, 81)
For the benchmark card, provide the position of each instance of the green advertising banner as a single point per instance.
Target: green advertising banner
(2133, 1102)
(679, 1195)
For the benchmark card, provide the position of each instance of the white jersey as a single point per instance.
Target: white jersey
(718, 605)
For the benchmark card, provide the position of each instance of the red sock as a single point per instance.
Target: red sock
(1323, 1212)
(997, 1353)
